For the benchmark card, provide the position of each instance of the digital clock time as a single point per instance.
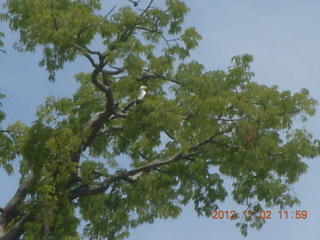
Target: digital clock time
(298, 214)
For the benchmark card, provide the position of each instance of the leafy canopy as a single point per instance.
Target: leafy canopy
(136, 161)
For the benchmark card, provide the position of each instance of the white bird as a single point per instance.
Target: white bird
(142, 92)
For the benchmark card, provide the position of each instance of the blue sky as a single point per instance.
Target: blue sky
(284, 38)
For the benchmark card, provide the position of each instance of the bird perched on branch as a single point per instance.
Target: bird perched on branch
(142, 92)
(141, 95)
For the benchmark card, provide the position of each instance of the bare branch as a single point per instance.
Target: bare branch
(55, 22)
(112, 9)
(87, 55)
(83, 30)
(147, 8)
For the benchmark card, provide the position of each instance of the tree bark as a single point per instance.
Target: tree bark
(10, 211)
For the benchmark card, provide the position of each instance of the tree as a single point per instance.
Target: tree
(121, 162)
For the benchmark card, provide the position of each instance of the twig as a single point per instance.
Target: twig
(110, 11)
(55, 22)
(82, 30)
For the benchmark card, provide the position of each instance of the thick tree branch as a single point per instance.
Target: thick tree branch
(111, 129)
(10, 211)
(89, 53)
(17, 229)
(83, 191)
(106, 74)
(105, 86)
(6, 131)
(134, 174)
(110, 105)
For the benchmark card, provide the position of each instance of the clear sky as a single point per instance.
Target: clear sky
(284, 38)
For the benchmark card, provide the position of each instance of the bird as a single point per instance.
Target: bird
(142, 92)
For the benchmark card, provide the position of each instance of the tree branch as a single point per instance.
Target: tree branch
(83, 30)
(55, 22)
(151, 76)
(111, 129)
(132, 174)
(110, 105)
(10, 210)
(112, 9)
(147, 8)
(17, 229)
(6, 131)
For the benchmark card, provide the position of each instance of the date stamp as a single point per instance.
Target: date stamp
(298, 214)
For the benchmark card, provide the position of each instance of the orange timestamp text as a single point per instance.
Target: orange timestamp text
(298, 214)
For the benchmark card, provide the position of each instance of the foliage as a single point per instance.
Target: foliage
(142, 160)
